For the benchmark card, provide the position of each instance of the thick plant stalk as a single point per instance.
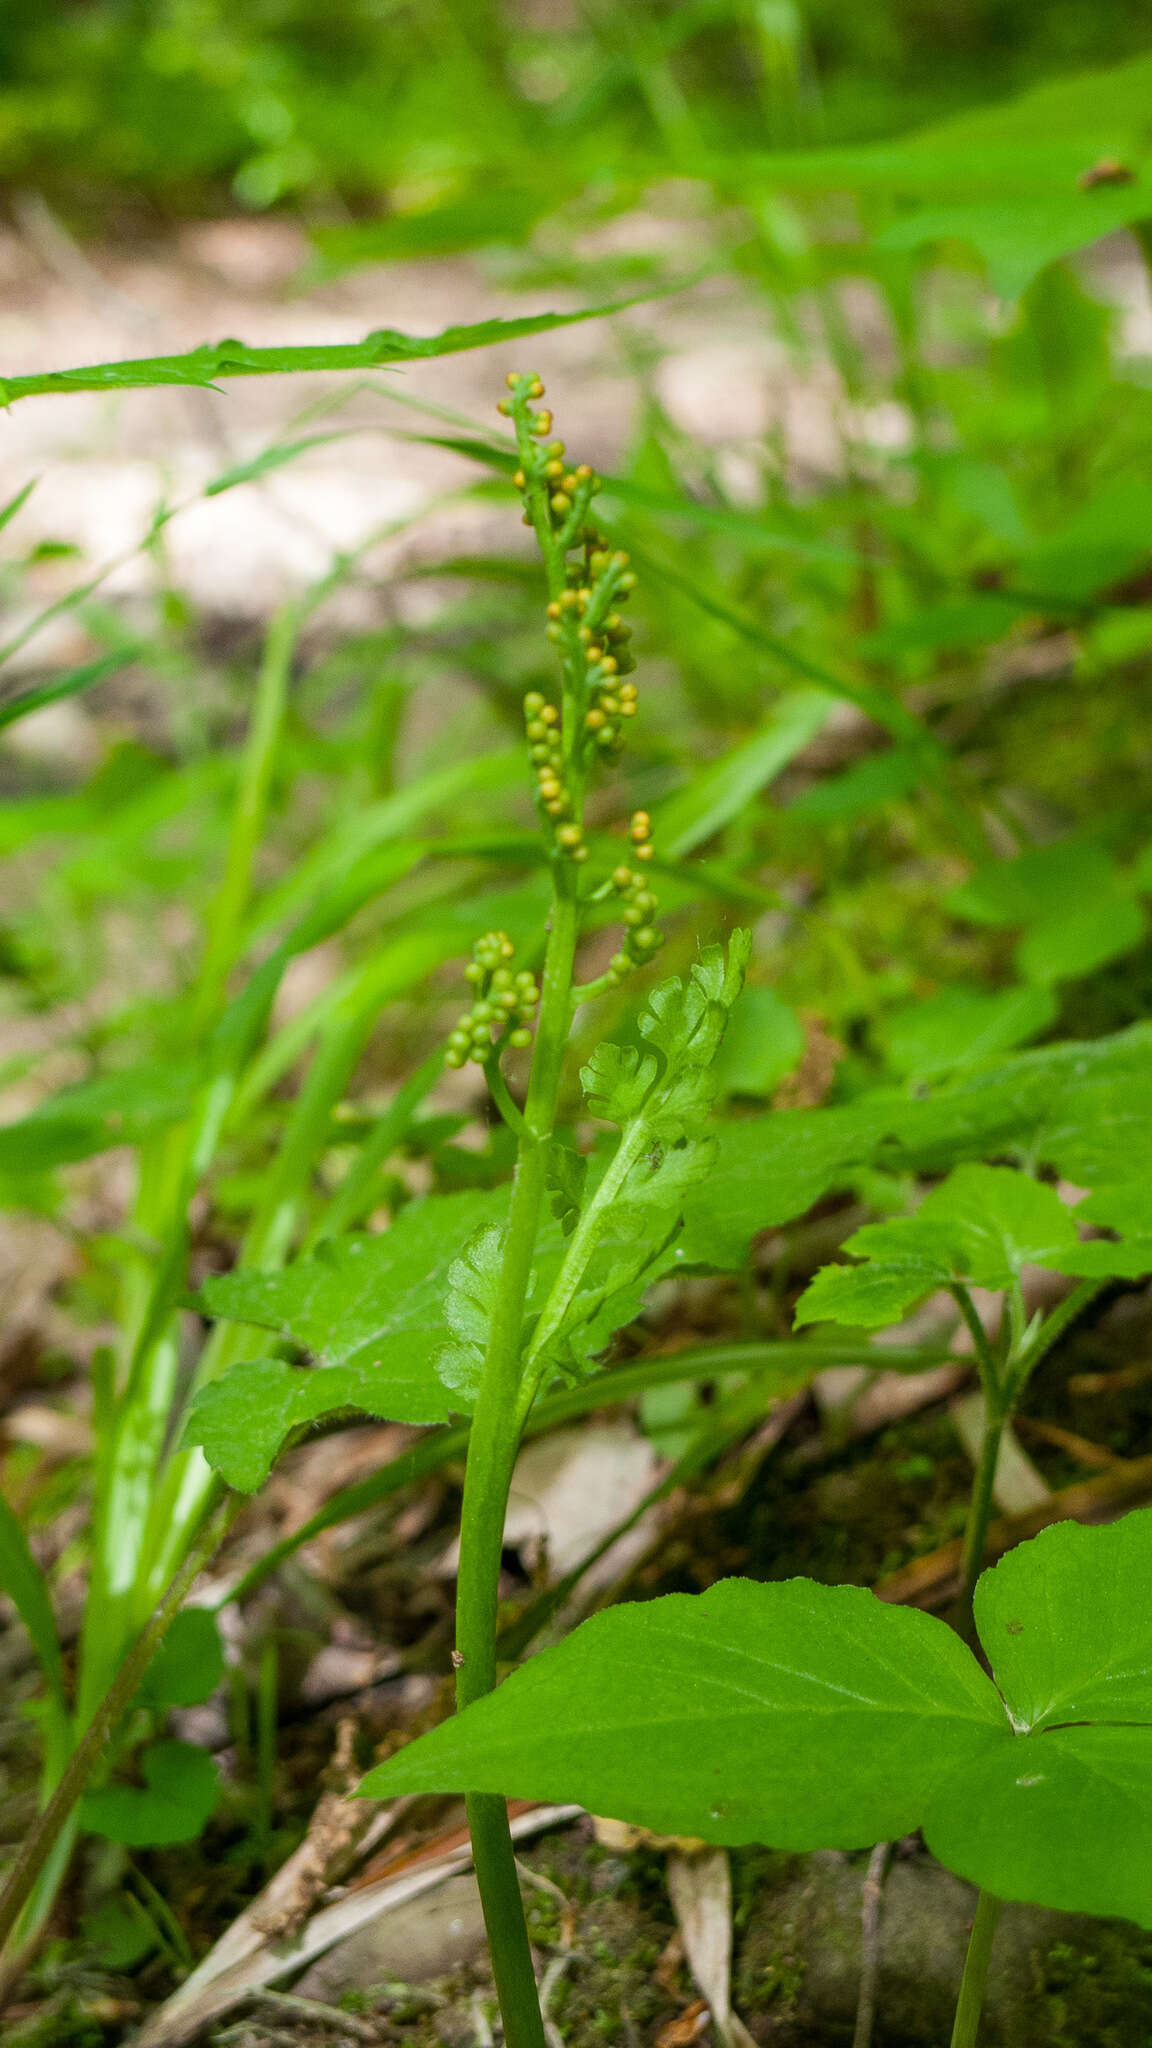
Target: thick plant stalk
(965, 2032)
(496, 1423)
(491, 1459)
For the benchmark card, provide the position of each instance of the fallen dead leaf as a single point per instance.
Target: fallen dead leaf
(700, 1888)
(686, 2028)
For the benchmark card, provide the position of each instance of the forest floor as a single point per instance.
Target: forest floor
(363, 1618)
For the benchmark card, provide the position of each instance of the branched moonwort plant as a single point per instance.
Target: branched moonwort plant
(527, 1302)
(523, 1304)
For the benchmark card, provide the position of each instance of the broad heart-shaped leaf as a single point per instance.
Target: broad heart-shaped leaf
(373, 1306)
(800, 1715)
(177, 1797)
(1064, 1818)
(808, 1716)
(981, 1225)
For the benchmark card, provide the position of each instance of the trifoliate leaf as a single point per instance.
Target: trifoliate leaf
(800, 1715)
(979, 1227)
(808, 1716)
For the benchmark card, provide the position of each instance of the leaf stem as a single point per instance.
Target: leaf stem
(970, 2002)
(980, 1505)
(985, 1357)
(580, 1250)
(499, 1091)
(1040, 1342)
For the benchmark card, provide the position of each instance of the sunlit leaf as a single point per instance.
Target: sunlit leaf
(805, 1716)
(207, 365)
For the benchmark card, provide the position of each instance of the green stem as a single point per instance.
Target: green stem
(795, 1363)
(980, 1505)
(488, 1475)
(985, 1357)
(499, 1091)
(965, 2031)
(1054, 1326)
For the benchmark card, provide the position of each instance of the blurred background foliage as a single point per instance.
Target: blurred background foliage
(183, 105)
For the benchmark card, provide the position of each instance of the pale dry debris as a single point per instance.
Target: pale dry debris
(336, 1828)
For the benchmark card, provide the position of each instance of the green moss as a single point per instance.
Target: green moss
(1101, 1995)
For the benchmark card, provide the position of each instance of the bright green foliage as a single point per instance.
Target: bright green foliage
(764, 1042)
(179, 1793)
(242, 1420)
(23, 1582)
(468, 1304)
(731, 1716)
(93, 1115)
(962, 1027)
(660, 1100)
(1067, 1622)
(1007, 180)
(980, 1228)
(205, 366)
(1083, 1108)
(1077, 909)
(721, 792)
(1127, 1210)
(805, 1716)
(371, 1309)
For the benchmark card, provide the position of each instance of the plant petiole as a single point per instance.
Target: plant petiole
(965, 2031)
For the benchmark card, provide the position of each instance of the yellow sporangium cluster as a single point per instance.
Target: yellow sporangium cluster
(504, 1007)
(589, 583)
